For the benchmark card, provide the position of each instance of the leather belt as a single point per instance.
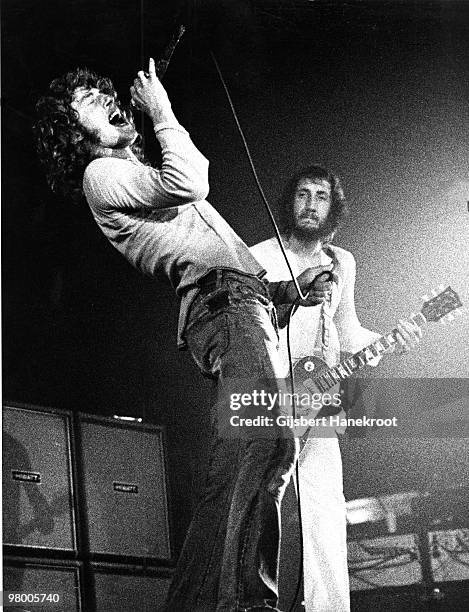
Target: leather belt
(216, 278)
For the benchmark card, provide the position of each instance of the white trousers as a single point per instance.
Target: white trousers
(326, 583)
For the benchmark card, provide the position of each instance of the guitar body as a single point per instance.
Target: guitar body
(305, 371)
(311, 401)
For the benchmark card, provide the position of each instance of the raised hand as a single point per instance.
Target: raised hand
(149, 95)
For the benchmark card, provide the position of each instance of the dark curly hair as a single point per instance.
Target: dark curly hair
(339, 207)
(63, 145)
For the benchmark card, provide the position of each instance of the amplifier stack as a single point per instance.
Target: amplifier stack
(86, 514)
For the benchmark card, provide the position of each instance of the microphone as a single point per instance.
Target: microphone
(163, 63)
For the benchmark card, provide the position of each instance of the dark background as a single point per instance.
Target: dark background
(376, 90)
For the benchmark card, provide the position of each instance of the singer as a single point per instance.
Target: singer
(159, 220)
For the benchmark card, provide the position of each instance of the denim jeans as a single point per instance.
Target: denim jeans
(229, 562)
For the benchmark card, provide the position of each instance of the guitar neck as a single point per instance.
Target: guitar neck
(359, 360)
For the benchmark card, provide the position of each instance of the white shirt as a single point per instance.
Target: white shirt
(158, 218)
(346, 332)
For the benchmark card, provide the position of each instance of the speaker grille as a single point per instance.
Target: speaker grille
(125, 489)
(28, 576)
(127, 593)
(37, 484)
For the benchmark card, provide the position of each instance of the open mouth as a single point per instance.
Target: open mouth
(117, 119)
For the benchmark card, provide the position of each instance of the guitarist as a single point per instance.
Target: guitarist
(312, 207)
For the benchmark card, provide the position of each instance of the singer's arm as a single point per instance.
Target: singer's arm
(113, 184)
(284, 294)
(314, 289)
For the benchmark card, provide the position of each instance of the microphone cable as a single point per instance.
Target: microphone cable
(301, 296)
(256, 177)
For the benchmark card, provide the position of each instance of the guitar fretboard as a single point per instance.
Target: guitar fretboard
(359, 360)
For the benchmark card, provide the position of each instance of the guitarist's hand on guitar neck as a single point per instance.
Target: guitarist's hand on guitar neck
(407, 335)
(314, 377)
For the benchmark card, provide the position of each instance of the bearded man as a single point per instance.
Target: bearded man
(312, 207)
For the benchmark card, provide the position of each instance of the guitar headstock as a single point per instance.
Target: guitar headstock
(438, 306)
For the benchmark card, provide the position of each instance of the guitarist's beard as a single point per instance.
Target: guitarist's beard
(322, 233)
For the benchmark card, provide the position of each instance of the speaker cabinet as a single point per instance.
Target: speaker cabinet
(26, 577)
(129, 588)
(125, 488)
(38, 499)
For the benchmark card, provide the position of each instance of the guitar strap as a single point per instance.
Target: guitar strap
(323, 335)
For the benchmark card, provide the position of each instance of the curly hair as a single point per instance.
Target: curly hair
(63, 145)
(339, 206)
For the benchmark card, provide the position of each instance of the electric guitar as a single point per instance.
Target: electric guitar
(314, 378)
